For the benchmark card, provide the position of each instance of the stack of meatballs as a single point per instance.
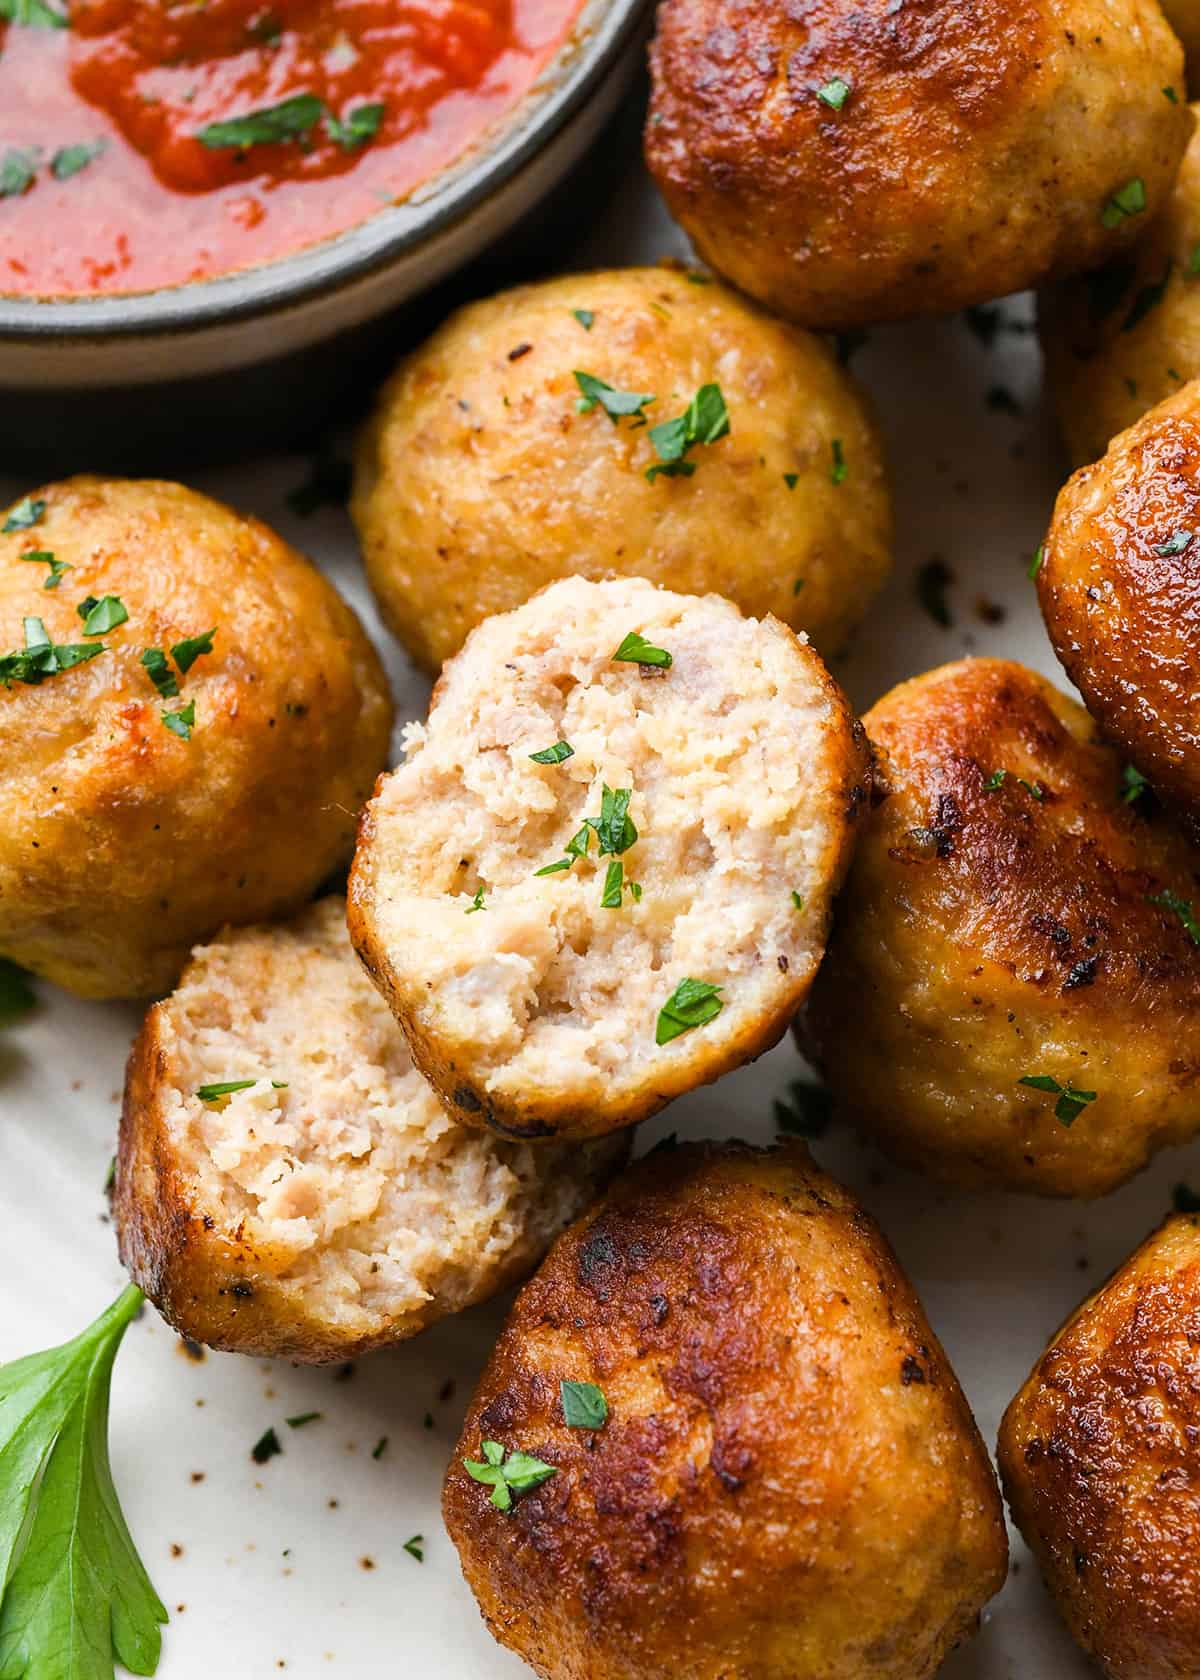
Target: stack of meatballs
(625, 518)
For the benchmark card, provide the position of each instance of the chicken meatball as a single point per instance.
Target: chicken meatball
(480, 479)
(190, 717)
(603, 875)
(848, 162)
(1012, 991)
(1120, 592)
(769, 1469)
(287, 1182)
(1100, 1453)
(1122, 338)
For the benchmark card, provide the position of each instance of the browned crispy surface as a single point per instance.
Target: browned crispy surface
(974, 154)
(1125, 618)
(1100, 1453)
(986, 934)
(789, 1483)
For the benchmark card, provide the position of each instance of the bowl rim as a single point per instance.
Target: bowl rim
(599, 36)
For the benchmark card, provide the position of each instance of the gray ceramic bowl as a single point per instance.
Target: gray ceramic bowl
(214, 368)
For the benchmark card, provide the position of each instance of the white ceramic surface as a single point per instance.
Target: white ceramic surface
(298, 1566)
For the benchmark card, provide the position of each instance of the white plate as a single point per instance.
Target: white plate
(298, 1566)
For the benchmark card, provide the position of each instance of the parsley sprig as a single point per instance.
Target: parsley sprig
(692, 1004)
(1181, 907)
(1071, 1103)
(616, 404)
(293, 119)
(614, 829)
(583, 1405)
(704, 420)
(75, 1596)
(41, 658)
(508, 1474)
(636, 650)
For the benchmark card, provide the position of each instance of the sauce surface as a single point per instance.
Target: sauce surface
(315, 114)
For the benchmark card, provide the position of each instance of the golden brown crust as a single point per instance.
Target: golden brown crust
(972, 157)
(986, 934)
(1100, 1454)
(120, 843)
(1122, 606)
(781, 1422)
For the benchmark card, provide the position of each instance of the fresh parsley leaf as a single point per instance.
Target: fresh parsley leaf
(43, 557)
(1133, 784)
(614, 828)
(805, 1111)
(327, 485)
(583, 1405)
(160, 673)
(1071, 1103)
(839, 469)
(17, 170)
(380, 1447)
(585, 317)
(615, 404)
(360, 125)
(1169, 93)
(415, 1547)
(1035, 790)
(995, 781)
(291, 119)
(614, 885)
(705, 420)
(636, 650)
(1174, 544)
(33, 14)
(791, 480)
(1035, 565)
(27, 512)
(266, 1447)
(186, 652)
(302, 1418)
(1129, 200)
(69, 160)
(16, 996)
(182, 721)
(226, 1088)
(557, 754)
(835, 93)
(558, 868)
(102, 615)
(797, 900)
(74, 1596)
(1181, 907)
(692, 1004)
(476, 903)
(43, 658)
(508, 1474)
(1148, 298)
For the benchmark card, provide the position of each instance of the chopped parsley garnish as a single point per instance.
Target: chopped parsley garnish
(614, 885)
(508, 1474)
(933, 580)
(26, 513)
(267, 1446)
(100, 616)
(415, 1547)
(615, 831)
(791, 480)
(182, 721)
(74, 1595)
(1035, 565)
(16, 994)
(1185, 1199)
(360, 125)
(1133, 784)
(380, 1447)
(557, 754)
(616, 404)
(1071, 1103)
(226, 1088)
(302, 1418)
(995, 781)
(1035, 790)
(1169, 93)
(1148, 298)
(1174, 544)
(17, 170)
(835, 92)
(693, 1003)
(558, 868)
(636, 650)
(705, 420)
(805, 1111)
(798, 586)
(43, 557)
(32, 14)
(585, 317)
(186, 652)
(476, 903)
(327, 485)
(1181, 907)
(69, 160)
(838, 470)
(1129, 200)
(291, 119)
(583, 1405)
(1193, 267)
(160, 673)
(43, 658)
(797, 900)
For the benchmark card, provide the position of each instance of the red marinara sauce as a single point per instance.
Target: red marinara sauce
(106, 185)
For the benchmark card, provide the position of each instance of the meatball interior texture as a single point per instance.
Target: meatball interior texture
(1099, 1457)
(478, 481)
(789, 1481)
(1126, 336)
(529, 1003)
(1120, 592)
(848, 163)
(332, 1206)
(1009, 916)
(121, 842)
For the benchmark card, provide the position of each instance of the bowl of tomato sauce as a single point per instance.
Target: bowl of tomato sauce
(208, 206)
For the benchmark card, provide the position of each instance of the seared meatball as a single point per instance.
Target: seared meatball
(328, 1204)
(788, 1480)
(1100, 1453)
(479, 480)
(1122, 338)
(601, 879)
(1012, 990)
(190, 717)
(850, 162)
(1120, 592)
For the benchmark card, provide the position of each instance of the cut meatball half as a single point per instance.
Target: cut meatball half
(603, 875)
(287, 1182)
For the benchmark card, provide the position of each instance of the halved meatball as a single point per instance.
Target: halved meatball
(848, 162)
(604, 873)
(771, 1469)
(190, 718)
(1012, 990)
(479, 481)
(1100, 1454)
(1120, 592)
(287, 1182)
